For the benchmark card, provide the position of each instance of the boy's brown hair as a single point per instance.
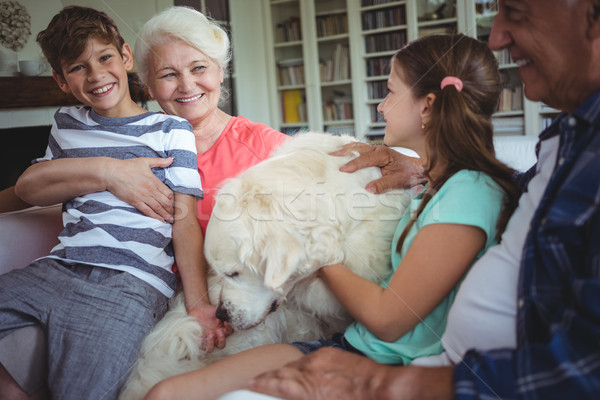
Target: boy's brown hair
(67, 34)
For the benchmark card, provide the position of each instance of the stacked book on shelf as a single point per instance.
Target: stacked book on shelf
(290, 72)
(385, 41)
(511, 99)
(378, 66)
(288, 31)
(376, 117)
(508, 125)
(376, 90)
(338, 67)
(367, 3)
(503, 57)
(329, 25)
(383, 18)
(437, 30)
(293, 106)
(338, 109)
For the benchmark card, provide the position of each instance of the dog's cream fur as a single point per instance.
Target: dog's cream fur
(272, 227)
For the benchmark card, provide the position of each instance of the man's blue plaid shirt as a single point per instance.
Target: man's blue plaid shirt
(558, 317)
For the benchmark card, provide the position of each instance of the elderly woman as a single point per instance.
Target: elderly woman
(182, 58)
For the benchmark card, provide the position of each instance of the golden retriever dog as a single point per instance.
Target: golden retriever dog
(271, 229)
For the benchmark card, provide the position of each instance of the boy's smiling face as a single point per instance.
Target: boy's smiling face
(98, 78)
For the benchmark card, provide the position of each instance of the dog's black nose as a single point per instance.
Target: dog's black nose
(222, 313)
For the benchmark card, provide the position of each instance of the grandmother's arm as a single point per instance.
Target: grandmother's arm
(132, 180)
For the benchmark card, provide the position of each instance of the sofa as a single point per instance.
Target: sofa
(28, 234)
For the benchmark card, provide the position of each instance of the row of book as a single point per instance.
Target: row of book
(378, 66)
(338, 109)
(288, 31)
(375, 115)
(367, 3)
(508, 125)
(385, 41)
(511, 99)
(338, 67)
(503, 56)
(290, 72)
(376, 90)
(383, 18)
(437, 30)
(329, 25)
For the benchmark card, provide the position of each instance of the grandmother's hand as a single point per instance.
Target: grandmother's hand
(133, 182)
(398, 170)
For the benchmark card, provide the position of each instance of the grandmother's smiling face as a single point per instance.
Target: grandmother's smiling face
(184, 81)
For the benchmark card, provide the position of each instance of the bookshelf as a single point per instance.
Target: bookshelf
(287, 62)
(219, 10)
(333, 55)
(311, 62)
(386, 26)
(516, 114)
(335, 70)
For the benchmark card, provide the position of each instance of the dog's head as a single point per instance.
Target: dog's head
(255, 251)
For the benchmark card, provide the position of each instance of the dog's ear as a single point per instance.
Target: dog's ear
(282, 259)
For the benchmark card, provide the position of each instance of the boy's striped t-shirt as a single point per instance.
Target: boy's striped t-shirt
(102, 230)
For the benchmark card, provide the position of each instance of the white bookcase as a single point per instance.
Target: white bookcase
(328, 61)
(516, 115)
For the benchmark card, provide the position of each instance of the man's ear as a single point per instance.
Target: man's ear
(62, 83)
(593, 19)
(127, 56)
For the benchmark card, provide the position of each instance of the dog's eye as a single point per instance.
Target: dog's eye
(233, 274)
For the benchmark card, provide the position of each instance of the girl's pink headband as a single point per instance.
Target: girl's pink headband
(452, 80)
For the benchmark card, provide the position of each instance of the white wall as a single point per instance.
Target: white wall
(249, 57)
(128, 15)
(248, 53)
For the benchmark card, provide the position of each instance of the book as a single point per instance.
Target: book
(292, 106)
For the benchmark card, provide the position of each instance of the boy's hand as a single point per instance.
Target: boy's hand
(398, 171)
(133, 182)
(214, 331)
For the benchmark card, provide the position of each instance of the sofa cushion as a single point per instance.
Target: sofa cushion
(27, 235)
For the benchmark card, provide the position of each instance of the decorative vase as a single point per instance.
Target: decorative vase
(8, 62)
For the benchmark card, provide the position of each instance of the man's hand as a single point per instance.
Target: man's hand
(398, 171)
(334, 374)
(133, 182)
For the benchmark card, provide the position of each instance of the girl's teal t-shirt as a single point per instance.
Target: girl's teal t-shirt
(467, 198)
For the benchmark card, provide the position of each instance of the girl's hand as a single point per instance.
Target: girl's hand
(214, 331)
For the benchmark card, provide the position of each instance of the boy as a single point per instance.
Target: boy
(105, 285)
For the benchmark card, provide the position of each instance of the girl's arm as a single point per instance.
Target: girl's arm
(188, 245)
(57, 181)
(9, 201)
(435, 262)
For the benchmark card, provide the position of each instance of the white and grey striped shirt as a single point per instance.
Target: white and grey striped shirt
(102, 230)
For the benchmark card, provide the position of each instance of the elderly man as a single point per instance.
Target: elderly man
(553, 299)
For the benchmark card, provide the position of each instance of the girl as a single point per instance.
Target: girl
(443, 90)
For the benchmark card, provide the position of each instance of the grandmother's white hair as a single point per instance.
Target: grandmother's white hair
(188, 25)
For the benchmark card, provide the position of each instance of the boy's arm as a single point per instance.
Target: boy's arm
(188, 245)
(57, 181)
